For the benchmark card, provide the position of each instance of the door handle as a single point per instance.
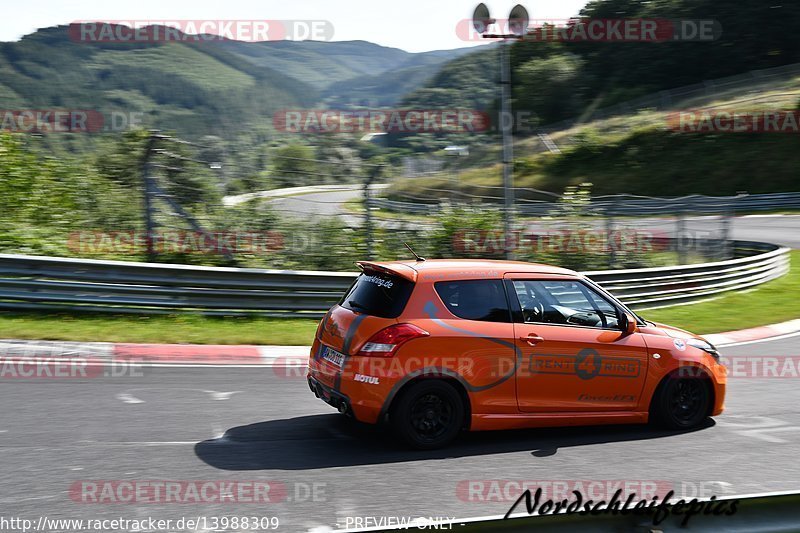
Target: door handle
(533, 339)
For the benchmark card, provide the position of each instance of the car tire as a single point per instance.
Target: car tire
(681, 403)
(428, 415)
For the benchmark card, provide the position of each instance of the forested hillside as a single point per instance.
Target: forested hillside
(558, 80)
(222, 88)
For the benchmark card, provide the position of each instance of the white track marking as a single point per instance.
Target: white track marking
(761, 421)
(768, 339)
(760, 428)
(215, 395)
(288, 363)
(128, 398)
(763, 433)
(203, 365)
(142, 443)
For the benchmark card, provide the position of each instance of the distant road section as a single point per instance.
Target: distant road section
(327, 200)
(778, 229)
(318, 200)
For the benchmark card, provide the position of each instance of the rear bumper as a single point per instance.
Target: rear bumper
(333, 398)
(341, 389)
(354, 401)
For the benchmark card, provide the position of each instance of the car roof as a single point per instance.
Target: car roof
(461, 268)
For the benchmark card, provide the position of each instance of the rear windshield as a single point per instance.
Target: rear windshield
(378, 294)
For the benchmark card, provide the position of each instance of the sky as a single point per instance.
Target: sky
(412, 25)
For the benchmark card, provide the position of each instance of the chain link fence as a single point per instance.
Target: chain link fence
(328, 226)
(180, 203)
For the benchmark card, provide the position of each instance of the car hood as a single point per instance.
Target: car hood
(655, 328)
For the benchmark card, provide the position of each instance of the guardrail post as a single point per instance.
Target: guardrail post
(368, 230)
(612, 245)
(680, 230)
(149, 194)
(727, 219)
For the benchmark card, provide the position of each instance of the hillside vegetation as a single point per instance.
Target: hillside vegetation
(350, 71)
(222, 88)
(560, 80)
(185, 87)
(648, 161)
(638, 153)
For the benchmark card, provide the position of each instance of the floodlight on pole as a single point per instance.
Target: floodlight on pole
(518, 26)
(518, 21)
(481, 19)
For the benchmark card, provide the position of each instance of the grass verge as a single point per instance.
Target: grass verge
(159, 329)
(773, 302)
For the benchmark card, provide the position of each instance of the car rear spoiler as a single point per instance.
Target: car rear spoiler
(396, 269)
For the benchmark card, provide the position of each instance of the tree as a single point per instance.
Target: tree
(293, 165)
(551, 88)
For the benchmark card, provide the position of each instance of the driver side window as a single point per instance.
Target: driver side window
(564, 302)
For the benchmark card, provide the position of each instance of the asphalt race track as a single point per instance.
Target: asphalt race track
(227, 424)
(263, 424)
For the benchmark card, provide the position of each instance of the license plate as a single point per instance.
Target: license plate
(332, 356)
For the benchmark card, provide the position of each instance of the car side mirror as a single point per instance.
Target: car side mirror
(629, 324)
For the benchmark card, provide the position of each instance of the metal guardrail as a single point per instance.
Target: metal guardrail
(658, 287)
(629, 205)
(63, 284)
(51, 283)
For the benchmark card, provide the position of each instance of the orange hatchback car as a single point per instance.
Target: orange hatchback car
(439, 346)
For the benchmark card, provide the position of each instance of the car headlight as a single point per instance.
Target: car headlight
(704, 345)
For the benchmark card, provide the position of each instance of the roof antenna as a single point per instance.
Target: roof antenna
(413, 252)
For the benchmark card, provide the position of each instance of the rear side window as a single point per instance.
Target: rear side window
(378, 294)
(475, 299)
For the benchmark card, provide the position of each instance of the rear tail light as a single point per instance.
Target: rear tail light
(386, 342)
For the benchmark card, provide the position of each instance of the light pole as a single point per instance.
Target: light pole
(506, 124)
(517, 25)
